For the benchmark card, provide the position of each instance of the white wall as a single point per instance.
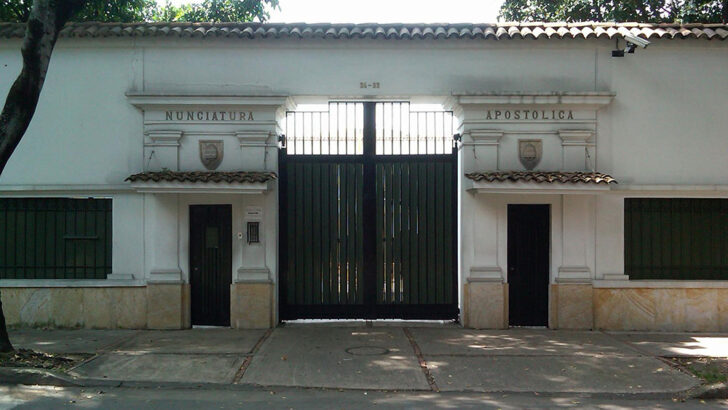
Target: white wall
(666, 125)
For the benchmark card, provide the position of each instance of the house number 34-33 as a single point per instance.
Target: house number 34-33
(365, 84)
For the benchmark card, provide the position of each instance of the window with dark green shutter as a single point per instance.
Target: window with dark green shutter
(55, 238)
(676, 238)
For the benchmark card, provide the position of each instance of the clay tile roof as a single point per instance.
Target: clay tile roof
(394, 31)
(204, 176)
(562, 177)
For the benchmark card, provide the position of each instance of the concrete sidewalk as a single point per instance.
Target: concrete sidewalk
(389, 358)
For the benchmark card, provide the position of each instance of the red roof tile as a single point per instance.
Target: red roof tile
(381, 31)
(204, 176)
(542, 177)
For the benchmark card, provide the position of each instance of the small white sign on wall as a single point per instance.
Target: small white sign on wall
(254, 213)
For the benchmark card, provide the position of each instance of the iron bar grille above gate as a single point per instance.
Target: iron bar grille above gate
(368, 213)
(400, 130)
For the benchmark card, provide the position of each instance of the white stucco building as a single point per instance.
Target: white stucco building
(243, 174)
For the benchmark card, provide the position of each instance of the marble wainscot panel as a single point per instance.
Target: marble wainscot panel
(93, 307)
(486, 304)
(572, 306)
(661, 309)
(168, 306)
(251, 305)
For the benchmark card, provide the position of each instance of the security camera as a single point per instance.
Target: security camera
(632, 43)
(636, 41)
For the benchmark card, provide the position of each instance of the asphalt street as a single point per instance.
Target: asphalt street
(37, 397)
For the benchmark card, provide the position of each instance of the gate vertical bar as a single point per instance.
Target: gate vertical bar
(369, 207)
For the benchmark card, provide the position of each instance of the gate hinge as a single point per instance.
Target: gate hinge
(282, 140)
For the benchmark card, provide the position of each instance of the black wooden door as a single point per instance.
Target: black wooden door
(368, 236)
(528, 264)
(210, 264)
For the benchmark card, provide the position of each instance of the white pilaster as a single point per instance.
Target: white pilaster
(161, 238)
(578, 239)
(610, 237)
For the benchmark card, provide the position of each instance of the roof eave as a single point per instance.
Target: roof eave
(151, 187)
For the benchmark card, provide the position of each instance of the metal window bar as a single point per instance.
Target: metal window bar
(340, 131)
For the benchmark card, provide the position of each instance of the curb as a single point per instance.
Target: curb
(32, 376)
(710, 391)
(41, 377)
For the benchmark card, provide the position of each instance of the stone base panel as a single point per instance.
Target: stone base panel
(484, 306)
(583, 307)
(670, 310)
(155, 306)
(92, 308)
(251, 306)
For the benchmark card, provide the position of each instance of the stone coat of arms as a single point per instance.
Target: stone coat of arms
(529, 153)
(211, 153)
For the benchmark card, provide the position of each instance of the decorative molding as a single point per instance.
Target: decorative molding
(591, 99)
(485, 137)
(147, 101)
(576, 137)
(165, 276)
(164, 138)
(574, 274)
(253, 275)
(253, 138)
(486, 274)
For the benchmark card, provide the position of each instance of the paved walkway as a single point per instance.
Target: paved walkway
(388, 358)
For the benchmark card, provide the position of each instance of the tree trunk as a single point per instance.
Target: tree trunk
(46, 20)
(5, 345)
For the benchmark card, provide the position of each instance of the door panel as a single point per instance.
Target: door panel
(210, 264)
(528, 264)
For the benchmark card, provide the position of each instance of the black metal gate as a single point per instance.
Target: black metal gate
(368, 218)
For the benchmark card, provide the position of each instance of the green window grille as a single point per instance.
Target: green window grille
(55, 238)
(676, 238)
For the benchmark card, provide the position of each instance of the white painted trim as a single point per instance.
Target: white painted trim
(721, 190)
(480, 187)
(660, 284)
(62, 190)
(200, 188)
(70, 283)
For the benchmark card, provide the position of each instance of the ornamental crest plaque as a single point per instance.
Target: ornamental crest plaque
(529, 153)
(211, 154)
